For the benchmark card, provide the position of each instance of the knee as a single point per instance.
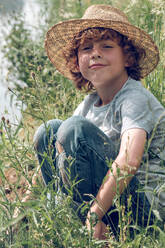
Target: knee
(75, 121)
(72, 131)
(70, 128)
(45, 133)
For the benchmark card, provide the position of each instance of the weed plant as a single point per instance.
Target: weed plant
(46, 219)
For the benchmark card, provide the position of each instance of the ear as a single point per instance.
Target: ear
(127, 64)
(128, 61)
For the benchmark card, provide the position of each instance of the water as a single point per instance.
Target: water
(30, 10)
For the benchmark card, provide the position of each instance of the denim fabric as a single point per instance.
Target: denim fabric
(86, 149)
(44, 144)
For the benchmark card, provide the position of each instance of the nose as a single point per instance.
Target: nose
(96, 53)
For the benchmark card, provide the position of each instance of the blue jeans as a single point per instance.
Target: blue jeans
(90, 148)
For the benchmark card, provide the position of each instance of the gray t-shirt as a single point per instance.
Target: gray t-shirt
(135, 107)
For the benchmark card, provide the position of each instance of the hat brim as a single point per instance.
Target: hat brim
(59, 38)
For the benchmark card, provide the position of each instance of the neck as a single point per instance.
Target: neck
(107, 94)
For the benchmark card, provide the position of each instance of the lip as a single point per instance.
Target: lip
(95, 66)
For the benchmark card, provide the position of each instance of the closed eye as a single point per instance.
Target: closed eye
(86, 48)
(107, 46)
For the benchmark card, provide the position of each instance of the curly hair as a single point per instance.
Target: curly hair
(133, 54)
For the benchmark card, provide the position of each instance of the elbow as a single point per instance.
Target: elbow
(127, 166)
(132, 166)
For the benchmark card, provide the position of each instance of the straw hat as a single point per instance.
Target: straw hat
(59, 38)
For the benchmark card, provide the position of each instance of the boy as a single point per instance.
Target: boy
(120, 120)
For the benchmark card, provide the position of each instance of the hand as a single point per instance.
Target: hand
(59, 147)
(99, 230)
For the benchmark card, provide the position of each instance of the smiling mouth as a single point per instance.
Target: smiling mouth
(95, 66)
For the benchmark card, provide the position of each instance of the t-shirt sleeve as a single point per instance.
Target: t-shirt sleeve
(85, 105)
(79, 109)
(137, 113)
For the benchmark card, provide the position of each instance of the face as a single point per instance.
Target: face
(102, 62)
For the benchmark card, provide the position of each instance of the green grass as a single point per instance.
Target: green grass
(40, 222)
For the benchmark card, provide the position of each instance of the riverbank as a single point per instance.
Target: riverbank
(9, 11)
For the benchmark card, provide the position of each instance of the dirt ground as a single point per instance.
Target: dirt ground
(16, 185)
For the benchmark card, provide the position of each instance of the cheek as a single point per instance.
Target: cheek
(124, 60)
(82, 63)
(120, 60)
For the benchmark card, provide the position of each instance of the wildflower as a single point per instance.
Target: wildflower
(33, 75)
